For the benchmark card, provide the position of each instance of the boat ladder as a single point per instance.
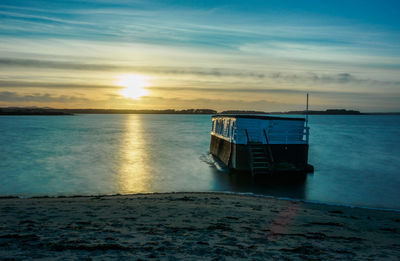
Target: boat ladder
(259, 161)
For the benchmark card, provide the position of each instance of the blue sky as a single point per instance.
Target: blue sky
(262, 55)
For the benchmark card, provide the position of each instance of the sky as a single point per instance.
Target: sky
(222, 55)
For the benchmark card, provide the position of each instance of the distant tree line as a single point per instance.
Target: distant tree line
(326, 112)
(116, 111)
(32, 111)
(51, 111)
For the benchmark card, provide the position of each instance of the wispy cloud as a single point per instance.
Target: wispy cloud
(52, 85)
(308, 77)
(38, 97)
(42, 17)
(228, 92)
(332, 100)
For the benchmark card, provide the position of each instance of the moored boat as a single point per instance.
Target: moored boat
(261, 145)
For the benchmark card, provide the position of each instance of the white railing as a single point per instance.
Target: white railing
(278, 136)
(299, 136)
(289, 136)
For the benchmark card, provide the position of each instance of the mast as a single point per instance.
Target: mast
(307, 111)
(307, 128)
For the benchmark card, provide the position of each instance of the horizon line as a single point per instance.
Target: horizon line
(200, 109)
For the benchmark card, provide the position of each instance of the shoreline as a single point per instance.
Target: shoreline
(250, 194)
(193, 225)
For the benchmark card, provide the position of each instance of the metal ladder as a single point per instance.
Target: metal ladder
(259, 163)
(261, 160)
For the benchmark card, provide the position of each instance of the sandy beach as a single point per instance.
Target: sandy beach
(192, 226)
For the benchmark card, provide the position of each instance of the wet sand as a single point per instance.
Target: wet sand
(195, 226)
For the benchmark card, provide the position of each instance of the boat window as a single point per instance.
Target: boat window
(224, 131)
(223, 127)
(219, 127)
(229, 128)
(226, 128)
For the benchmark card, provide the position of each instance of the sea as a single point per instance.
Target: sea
(356, 158)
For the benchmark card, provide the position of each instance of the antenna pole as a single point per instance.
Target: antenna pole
(307, 111)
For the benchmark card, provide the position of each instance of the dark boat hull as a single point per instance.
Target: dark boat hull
(286, 157)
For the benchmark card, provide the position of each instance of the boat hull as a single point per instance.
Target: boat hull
(286, 157)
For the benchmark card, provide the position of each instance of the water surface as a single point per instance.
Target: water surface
(356, 158)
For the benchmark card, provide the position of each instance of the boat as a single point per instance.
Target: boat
(261, 144)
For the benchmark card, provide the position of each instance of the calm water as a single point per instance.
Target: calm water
(356, 158)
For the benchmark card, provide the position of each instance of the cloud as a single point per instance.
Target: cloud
(219, 104)
(324, 94)
(203, 90)
(149, 102)
(53, 85)
(360, 101)
(365, 102)
(42, 17)
(307, 77)
(31, 63)
(230, 90)
(16, 97)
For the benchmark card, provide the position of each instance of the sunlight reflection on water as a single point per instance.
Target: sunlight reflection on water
(134, 166)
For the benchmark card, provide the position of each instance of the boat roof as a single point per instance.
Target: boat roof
(259, 117)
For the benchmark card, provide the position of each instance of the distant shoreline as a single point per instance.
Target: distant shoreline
(21, 111)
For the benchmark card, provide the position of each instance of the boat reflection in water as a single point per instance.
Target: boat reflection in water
(243, 182)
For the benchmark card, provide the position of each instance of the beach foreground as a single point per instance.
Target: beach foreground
(193, 226)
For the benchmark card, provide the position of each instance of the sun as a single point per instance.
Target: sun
(134, 85)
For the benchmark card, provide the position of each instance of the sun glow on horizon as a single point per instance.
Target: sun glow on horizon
(134, 85)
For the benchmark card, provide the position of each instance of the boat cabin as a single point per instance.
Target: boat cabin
(260, 144)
